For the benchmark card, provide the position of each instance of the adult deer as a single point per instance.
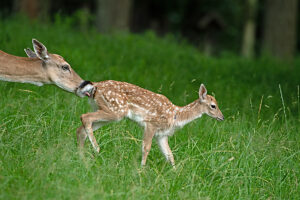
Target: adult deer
(40, 68)
(115, 100)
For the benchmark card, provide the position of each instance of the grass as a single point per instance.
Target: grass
(253, 154)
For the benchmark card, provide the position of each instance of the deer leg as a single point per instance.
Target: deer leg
(147, 141)
(82, 135)
(89, 119)
(165, 149)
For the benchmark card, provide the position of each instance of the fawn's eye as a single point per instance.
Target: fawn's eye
(213, 106)
(65, 68)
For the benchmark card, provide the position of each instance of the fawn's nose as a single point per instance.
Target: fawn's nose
(85, 89)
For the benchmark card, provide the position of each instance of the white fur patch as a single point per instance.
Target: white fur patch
(137, 118)
(31, 82)
(82, 91)
(183, 123)
(168, 132)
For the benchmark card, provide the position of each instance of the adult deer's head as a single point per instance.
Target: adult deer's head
(56, 69)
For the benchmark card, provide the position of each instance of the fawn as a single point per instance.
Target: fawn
(114, 100)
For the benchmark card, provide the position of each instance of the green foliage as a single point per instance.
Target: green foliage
(253, 154)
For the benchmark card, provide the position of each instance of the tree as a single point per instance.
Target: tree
(248, 48)
(280, 28)
(28, 7)
(33, 8)
(113, 15)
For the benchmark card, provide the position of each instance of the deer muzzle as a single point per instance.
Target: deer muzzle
(86, 88)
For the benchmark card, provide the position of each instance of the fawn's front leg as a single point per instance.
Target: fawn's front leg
(82, 135)
(165, 149)
(147, 141)
(87, 122)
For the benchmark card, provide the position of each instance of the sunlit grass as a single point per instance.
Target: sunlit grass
(253, 154)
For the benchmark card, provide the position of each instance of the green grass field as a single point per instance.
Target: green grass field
(253, 154)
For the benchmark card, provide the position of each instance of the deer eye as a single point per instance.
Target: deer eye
(65, 68)
(213, 106)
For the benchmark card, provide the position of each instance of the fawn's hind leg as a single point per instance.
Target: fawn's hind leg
(147, 141)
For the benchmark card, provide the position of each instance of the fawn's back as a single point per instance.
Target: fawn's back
(136, 103)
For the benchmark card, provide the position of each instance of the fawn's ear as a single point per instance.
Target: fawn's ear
(202, 92)
(40, 50)
(30, 53)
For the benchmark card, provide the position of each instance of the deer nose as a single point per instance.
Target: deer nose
(86, 88)
(220, 118)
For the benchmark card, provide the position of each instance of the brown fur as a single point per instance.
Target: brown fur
(41, 69)
(116, 100)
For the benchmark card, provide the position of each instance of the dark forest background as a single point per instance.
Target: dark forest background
(246, 27)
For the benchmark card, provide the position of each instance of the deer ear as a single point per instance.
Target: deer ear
(40, 50)
(30, 53)
(202, 92)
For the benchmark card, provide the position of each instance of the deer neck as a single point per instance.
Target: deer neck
(188, 113)
(22, 69)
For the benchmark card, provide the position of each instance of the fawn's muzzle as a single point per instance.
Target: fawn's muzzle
(86, 88)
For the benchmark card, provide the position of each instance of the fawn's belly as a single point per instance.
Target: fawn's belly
(164, 133)
(136, 117)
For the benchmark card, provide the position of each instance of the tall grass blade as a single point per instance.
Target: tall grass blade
(283, 105)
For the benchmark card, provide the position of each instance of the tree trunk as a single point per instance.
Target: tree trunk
(33, 8)
(27, 7)
(113, 15)
(280, 28)
(248, 48)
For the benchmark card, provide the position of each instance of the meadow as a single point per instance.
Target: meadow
(253, 154)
